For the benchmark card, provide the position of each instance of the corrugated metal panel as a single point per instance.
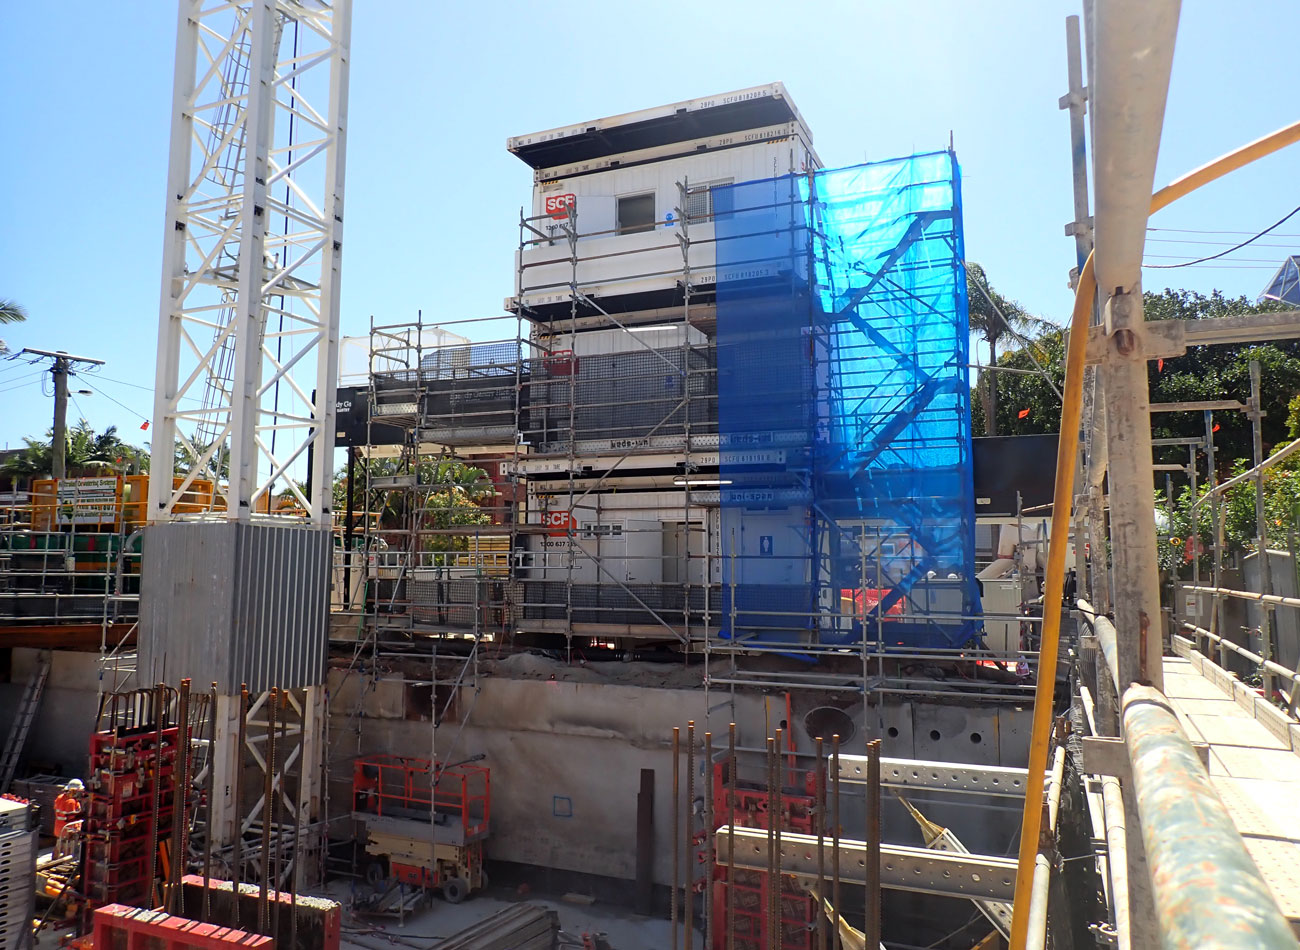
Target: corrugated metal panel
(234, 603)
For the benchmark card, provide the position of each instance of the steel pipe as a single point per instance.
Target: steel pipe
(1106, 636)
(1208, 891)
(1037, 938)
(1272, 667)
(1117, 858)
(1276, 599)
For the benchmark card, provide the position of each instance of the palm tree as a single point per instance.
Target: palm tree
(993, 316)
(10, 312)
(87, 452)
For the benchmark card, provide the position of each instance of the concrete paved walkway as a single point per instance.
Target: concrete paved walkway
(1256, 773)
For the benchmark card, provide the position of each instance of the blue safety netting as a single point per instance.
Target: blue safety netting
(844, 407)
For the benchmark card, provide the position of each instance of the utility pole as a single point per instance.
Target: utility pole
(60, 370)
(59, 443)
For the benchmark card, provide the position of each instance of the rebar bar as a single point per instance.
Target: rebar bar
(237, 847)
(819, 828)
(160, 719)
(835, 839)
(688, 897)
(769, 913)
(180, 796)
(264, 893)
(872, 925)
(677, 830)
(205, 912)
(296, 864)
(277, 814)
(731, 841)
(777, 820)
(710, 857)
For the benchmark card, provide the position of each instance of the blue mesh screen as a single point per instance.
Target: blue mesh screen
(844, 406)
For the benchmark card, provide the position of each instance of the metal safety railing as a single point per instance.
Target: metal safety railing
(1165, 804)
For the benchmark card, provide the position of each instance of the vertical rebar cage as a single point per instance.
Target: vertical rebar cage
(844, 407)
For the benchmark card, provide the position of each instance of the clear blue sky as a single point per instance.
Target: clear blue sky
(433, 197)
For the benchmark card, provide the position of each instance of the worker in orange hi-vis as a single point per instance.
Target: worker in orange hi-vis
(67, 806)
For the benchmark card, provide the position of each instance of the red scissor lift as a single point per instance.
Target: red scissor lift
(430, 837)
(750, 889)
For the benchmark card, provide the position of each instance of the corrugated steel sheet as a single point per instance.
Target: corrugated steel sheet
(235, 603)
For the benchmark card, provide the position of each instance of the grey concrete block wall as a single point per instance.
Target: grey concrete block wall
(60, 735)
(566, 759)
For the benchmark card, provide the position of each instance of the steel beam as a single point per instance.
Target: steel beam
(969, 876)
(945, 776)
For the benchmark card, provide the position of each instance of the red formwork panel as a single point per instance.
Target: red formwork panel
(747, 902)
(118, 927)
(125, 766)
(320, 920)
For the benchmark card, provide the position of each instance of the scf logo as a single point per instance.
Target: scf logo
(559, 523)
(557, 206)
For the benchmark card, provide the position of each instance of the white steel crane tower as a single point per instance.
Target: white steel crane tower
(249, 319)
(247, 368)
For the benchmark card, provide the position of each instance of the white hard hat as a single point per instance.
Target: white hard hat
(75, 785)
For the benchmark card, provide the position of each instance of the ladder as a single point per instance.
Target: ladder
(27, 706)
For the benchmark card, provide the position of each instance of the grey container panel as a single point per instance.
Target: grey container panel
(234, 603)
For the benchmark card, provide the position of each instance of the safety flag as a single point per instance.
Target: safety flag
(1216, 428)
(1160, 365)
(144, 426)
(1022, 413)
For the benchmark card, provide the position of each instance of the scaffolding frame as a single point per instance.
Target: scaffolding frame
(570, 442)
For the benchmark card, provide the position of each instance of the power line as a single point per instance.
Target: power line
(1198, 231)
(1236, 260)
(1267, 267)
(124, 406)
(122, 382)
(148, 389)
(39, 378)
(1214, 243)
(1249, 240)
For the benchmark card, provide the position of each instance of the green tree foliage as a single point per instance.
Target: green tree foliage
(1281, 510)
(448, 493)
(1028, 389)
(993, 317)
(10, 312)
(88, 453)
(183, 460)
(1203, 373)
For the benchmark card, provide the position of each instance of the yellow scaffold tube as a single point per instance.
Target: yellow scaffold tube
(1062, 499)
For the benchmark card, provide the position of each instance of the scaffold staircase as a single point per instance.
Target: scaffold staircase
(22, 725)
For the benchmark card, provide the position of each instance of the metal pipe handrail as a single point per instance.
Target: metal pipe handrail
(1105, 633)
(1250, 473)
(1195, 853)
(1276, 599)
(1255, 658)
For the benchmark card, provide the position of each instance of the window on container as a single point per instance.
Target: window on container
(699, 200)
(636, 213)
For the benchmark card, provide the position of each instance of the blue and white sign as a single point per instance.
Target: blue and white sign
(765, 545)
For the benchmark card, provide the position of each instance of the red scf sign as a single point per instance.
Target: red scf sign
(557, 206)
(559, 523)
